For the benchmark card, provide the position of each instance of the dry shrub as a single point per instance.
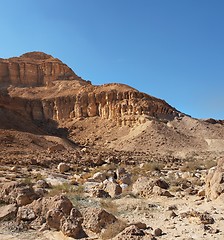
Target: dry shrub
(109, 206)
(192, 166)
(66, 188)
(145, 169)
(113, 229)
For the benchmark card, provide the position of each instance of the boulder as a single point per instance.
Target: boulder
(53, 218)
(215, 181)
(19, 193)
(162, 184)
(63, 167)
(143, 187)
(25, 214)
(113, 188)
(161, 192)
(99, 176)
(56, 148)
(49, 210)
(132, 233)
(158, 232)
(8, 212)
(72, 227)
(100, 193)
(96, 219)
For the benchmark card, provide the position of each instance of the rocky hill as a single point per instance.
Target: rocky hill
(50, 98)
(80, 161)
(43, 88)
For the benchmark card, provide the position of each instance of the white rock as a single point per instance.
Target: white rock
(63, 167)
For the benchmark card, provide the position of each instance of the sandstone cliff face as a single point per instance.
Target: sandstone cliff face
(126, 108)
(34, 69)
(117, 102)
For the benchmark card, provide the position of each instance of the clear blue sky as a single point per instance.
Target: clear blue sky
(171, 49)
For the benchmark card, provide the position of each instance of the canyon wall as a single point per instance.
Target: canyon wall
(117, 102)
(34, 69)
(126, 108)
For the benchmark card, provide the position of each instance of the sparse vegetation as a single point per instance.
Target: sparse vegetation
(66, 188)
(109, 205)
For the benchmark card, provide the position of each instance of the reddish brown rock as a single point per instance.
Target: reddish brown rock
(215, 181)
(96, 219)
(34, 69)
(8, 212)
(62, 95)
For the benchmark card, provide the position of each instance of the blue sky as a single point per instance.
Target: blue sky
(171, 49)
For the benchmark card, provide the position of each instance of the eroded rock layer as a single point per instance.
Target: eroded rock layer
(34, 69)
(43, 88)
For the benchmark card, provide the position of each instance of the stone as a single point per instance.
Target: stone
(72, 227)
(96, 219)
(56, 148)
(25, 214)
(158, 232)
(143, 187)
(19, 193)
(99, 176)
(53, 218)
(25, 195)
(100, 193)
(113, 189)
(131, 233)
(50, 209)
(140, 225)
(215, 181)
(162, 184)
(8, 212)
(161, 192)
(63, 167)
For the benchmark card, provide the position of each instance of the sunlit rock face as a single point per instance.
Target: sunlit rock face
(34, 69)
(43, 88)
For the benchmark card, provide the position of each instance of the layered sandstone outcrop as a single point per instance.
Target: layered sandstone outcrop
(34, 69)
(68, 96)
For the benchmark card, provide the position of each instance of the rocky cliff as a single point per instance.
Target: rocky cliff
(34, 69)
(43, 88)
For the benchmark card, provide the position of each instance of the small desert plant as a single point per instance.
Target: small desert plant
(67, 189)
(113, 229)
(38, 176)
(153, 166)
(109, 206)
(192, 166)
(27, 181)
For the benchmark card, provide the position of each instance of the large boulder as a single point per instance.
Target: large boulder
(215, 181)
(96, 219)
(72, 227)
(49, 210)
(112, 188)
(143, 187)
(19, 193)
(8, 212)
(133, 233)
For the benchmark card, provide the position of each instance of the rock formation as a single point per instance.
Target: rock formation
(43, 88)
(34, 69)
